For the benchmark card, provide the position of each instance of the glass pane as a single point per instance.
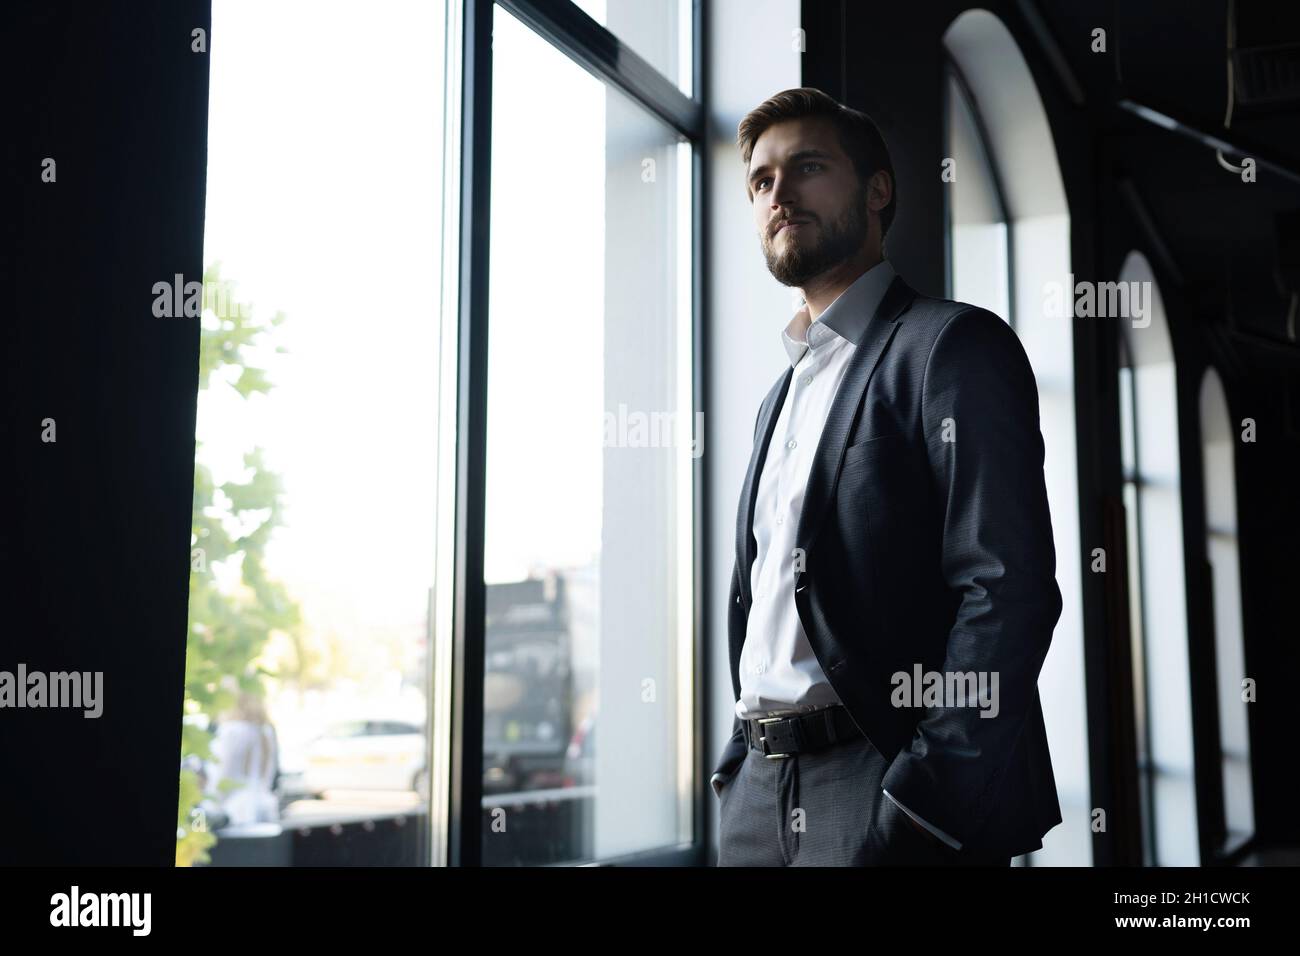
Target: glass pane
(1156, 506)
(588, 498)
(980, 273)
(658, 31)
(315, 465)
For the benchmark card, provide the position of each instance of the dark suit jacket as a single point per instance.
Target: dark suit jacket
(927, 539)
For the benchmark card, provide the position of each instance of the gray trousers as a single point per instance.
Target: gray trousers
(824, 808)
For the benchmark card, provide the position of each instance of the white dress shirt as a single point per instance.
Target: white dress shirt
(779, 673)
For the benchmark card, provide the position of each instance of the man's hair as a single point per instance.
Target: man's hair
(858, 135)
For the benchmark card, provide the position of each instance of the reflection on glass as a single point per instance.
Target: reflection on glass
(588, 507)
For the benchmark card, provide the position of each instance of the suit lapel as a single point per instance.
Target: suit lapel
(844, 407)
(830, 449)
(746, 546)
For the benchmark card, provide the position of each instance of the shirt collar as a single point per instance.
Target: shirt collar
(846, 317)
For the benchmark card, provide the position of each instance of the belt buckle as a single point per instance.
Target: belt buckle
(763, 740)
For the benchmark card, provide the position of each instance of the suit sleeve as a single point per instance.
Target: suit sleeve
(979, 409)
(933, 829)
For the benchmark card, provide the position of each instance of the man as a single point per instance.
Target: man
(894, 593)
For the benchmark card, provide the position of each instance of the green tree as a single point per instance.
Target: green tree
(228, 631)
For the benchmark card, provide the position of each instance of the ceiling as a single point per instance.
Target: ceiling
(1234, 244)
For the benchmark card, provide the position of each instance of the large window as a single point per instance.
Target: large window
(306, 705)
(445, 489)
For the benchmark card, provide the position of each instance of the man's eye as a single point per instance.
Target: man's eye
(811, 163)
(759, 184)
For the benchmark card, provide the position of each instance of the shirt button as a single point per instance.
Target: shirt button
(791, 443)
(780, 519)
(807, 379)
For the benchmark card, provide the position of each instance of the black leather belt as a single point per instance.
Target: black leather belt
(784, 734)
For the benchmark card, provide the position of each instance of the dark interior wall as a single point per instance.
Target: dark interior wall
(886, 60)
(95, 552)
(879, 58)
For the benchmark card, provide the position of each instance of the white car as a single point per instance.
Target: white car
(367, 755)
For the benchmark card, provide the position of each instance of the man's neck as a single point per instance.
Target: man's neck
(826, 288)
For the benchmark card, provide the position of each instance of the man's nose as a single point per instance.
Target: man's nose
(782, 193)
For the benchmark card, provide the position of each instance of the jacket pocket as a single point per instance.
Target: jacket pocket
(870, 447)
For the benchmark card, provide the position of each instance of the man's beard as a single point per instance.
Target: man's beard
(805, 258)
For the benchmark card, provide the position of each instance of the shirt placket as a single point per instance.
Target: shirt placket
(796, 431)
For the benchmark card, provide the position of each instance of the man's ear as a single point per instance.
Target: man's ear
(880, 190)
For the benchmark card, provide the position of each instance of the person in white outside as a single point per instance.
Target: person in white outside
(246, 751)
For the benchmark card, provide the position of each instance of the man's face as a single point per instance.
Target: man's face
(799, 172)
